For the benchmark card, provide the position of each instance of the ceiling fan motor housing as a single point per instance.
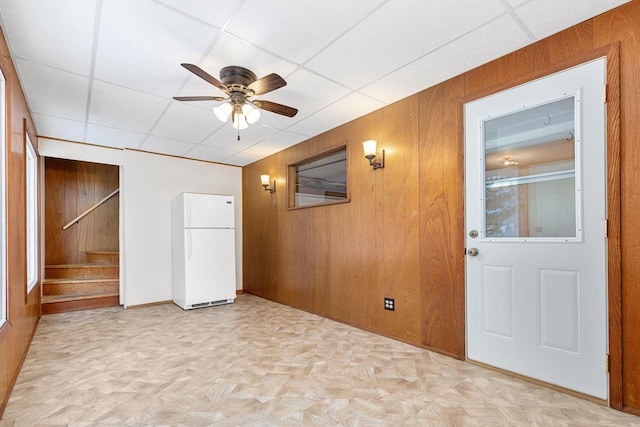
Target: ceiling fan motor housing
(235, 75)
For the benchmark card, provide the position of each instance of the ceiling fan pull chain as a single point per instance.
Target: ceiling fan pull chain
(238, 133)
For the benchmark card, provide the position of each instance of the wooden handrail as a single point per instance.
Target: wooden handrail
(88, 211)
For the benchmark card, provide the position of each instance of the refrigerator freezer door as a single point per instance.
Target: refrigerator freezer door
(208, 211)
(210, 268)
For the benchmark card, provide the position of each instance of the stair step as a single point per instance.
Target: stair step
(67, 286)
(82, 271)
(63, 303)
(47, 299)
(103, 257)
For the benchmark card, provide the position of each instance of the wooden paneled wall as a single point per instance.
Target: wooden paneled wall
(23, 309)
(72, 187)
(402, 234)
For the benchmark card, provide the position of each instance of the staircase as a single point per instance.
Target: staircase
(72, 287)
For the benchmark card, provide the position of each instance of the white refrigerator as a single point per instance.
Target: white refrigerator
(203, 237)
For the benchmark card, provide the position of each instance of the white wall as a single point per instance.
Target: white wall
(76, 151)
(148, 182)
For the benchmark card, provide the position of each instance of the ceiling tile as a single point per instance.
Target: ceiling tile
(47, 126)
(275, 143)
(242, 159)
(59, 34)
(376, 47)
(306, 91)
(165, 146)
(64, 98)
(142, 44)
(516, 3)
(227, 136)
(294, 29)
(215, 12)
(124, 108)
(230, 50)
(565, 14)
(355, 105)
(348, 108)
(470, 51)
(183, 122)
(110, 137)
(208, 153)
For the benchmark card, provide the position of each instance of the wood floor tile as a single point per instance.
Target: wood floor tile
(258, 363)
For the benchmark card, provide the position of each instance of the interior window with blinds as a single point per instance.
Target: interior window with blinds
(319, 180)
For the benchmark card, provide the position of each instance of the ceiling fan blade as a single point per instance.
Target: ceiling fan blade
(199, 98)
(275, 108)
(206, 76)
(267, 84)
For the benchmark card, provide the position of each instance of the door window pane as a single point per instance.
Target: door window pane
(530, 164)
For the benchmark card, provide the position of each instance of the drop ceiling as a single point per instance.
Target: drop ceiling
(105, 71)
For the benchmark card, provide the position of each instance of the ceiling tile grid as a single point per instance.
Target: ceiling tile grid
(156, 144)
(71, 130)
(183, 122)
(54, 33)
(54, 92)
(367, 52)
(105, 71)
(297, 30)
(437, 66)
(124, 108)
(112, 137)
(226, 137)
(140, 41)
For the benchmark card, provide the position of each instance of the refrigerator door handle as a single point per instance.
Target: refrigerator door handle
(188, 212)
(189, 245)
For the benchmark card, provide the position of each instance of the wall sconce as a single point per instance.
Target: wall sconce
(509, 162)
(266, 180)
(370, 154)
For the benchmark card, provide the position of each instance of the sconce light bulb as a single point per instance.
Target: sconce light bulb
(369, 147)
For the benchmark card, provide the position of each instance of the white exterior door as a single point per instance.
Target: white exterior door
(535, 209)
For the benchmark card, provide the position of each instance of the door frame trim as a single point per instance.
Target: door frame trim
(614, 272)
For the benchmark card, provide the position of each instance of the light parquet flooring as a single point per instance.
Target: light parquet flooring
(258, 363)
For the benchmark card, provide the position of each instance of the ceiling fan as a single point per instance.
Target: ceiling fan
(239, 84)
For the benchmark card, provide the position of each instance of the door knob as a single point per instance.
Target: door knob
(472, 252)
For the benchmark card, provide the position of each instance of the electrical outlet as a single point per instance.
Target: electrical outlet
(389, 304)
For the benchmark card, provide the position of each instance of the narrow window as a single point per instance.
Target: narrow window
(32, 214)
(3, 202)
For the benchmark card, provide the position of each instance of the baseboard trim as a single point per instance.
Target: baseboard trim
(631, 410)
(239, 291)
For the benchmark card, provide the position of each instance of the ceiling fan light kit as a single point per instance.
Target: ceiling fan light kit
(239, 84)
(223, 111)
